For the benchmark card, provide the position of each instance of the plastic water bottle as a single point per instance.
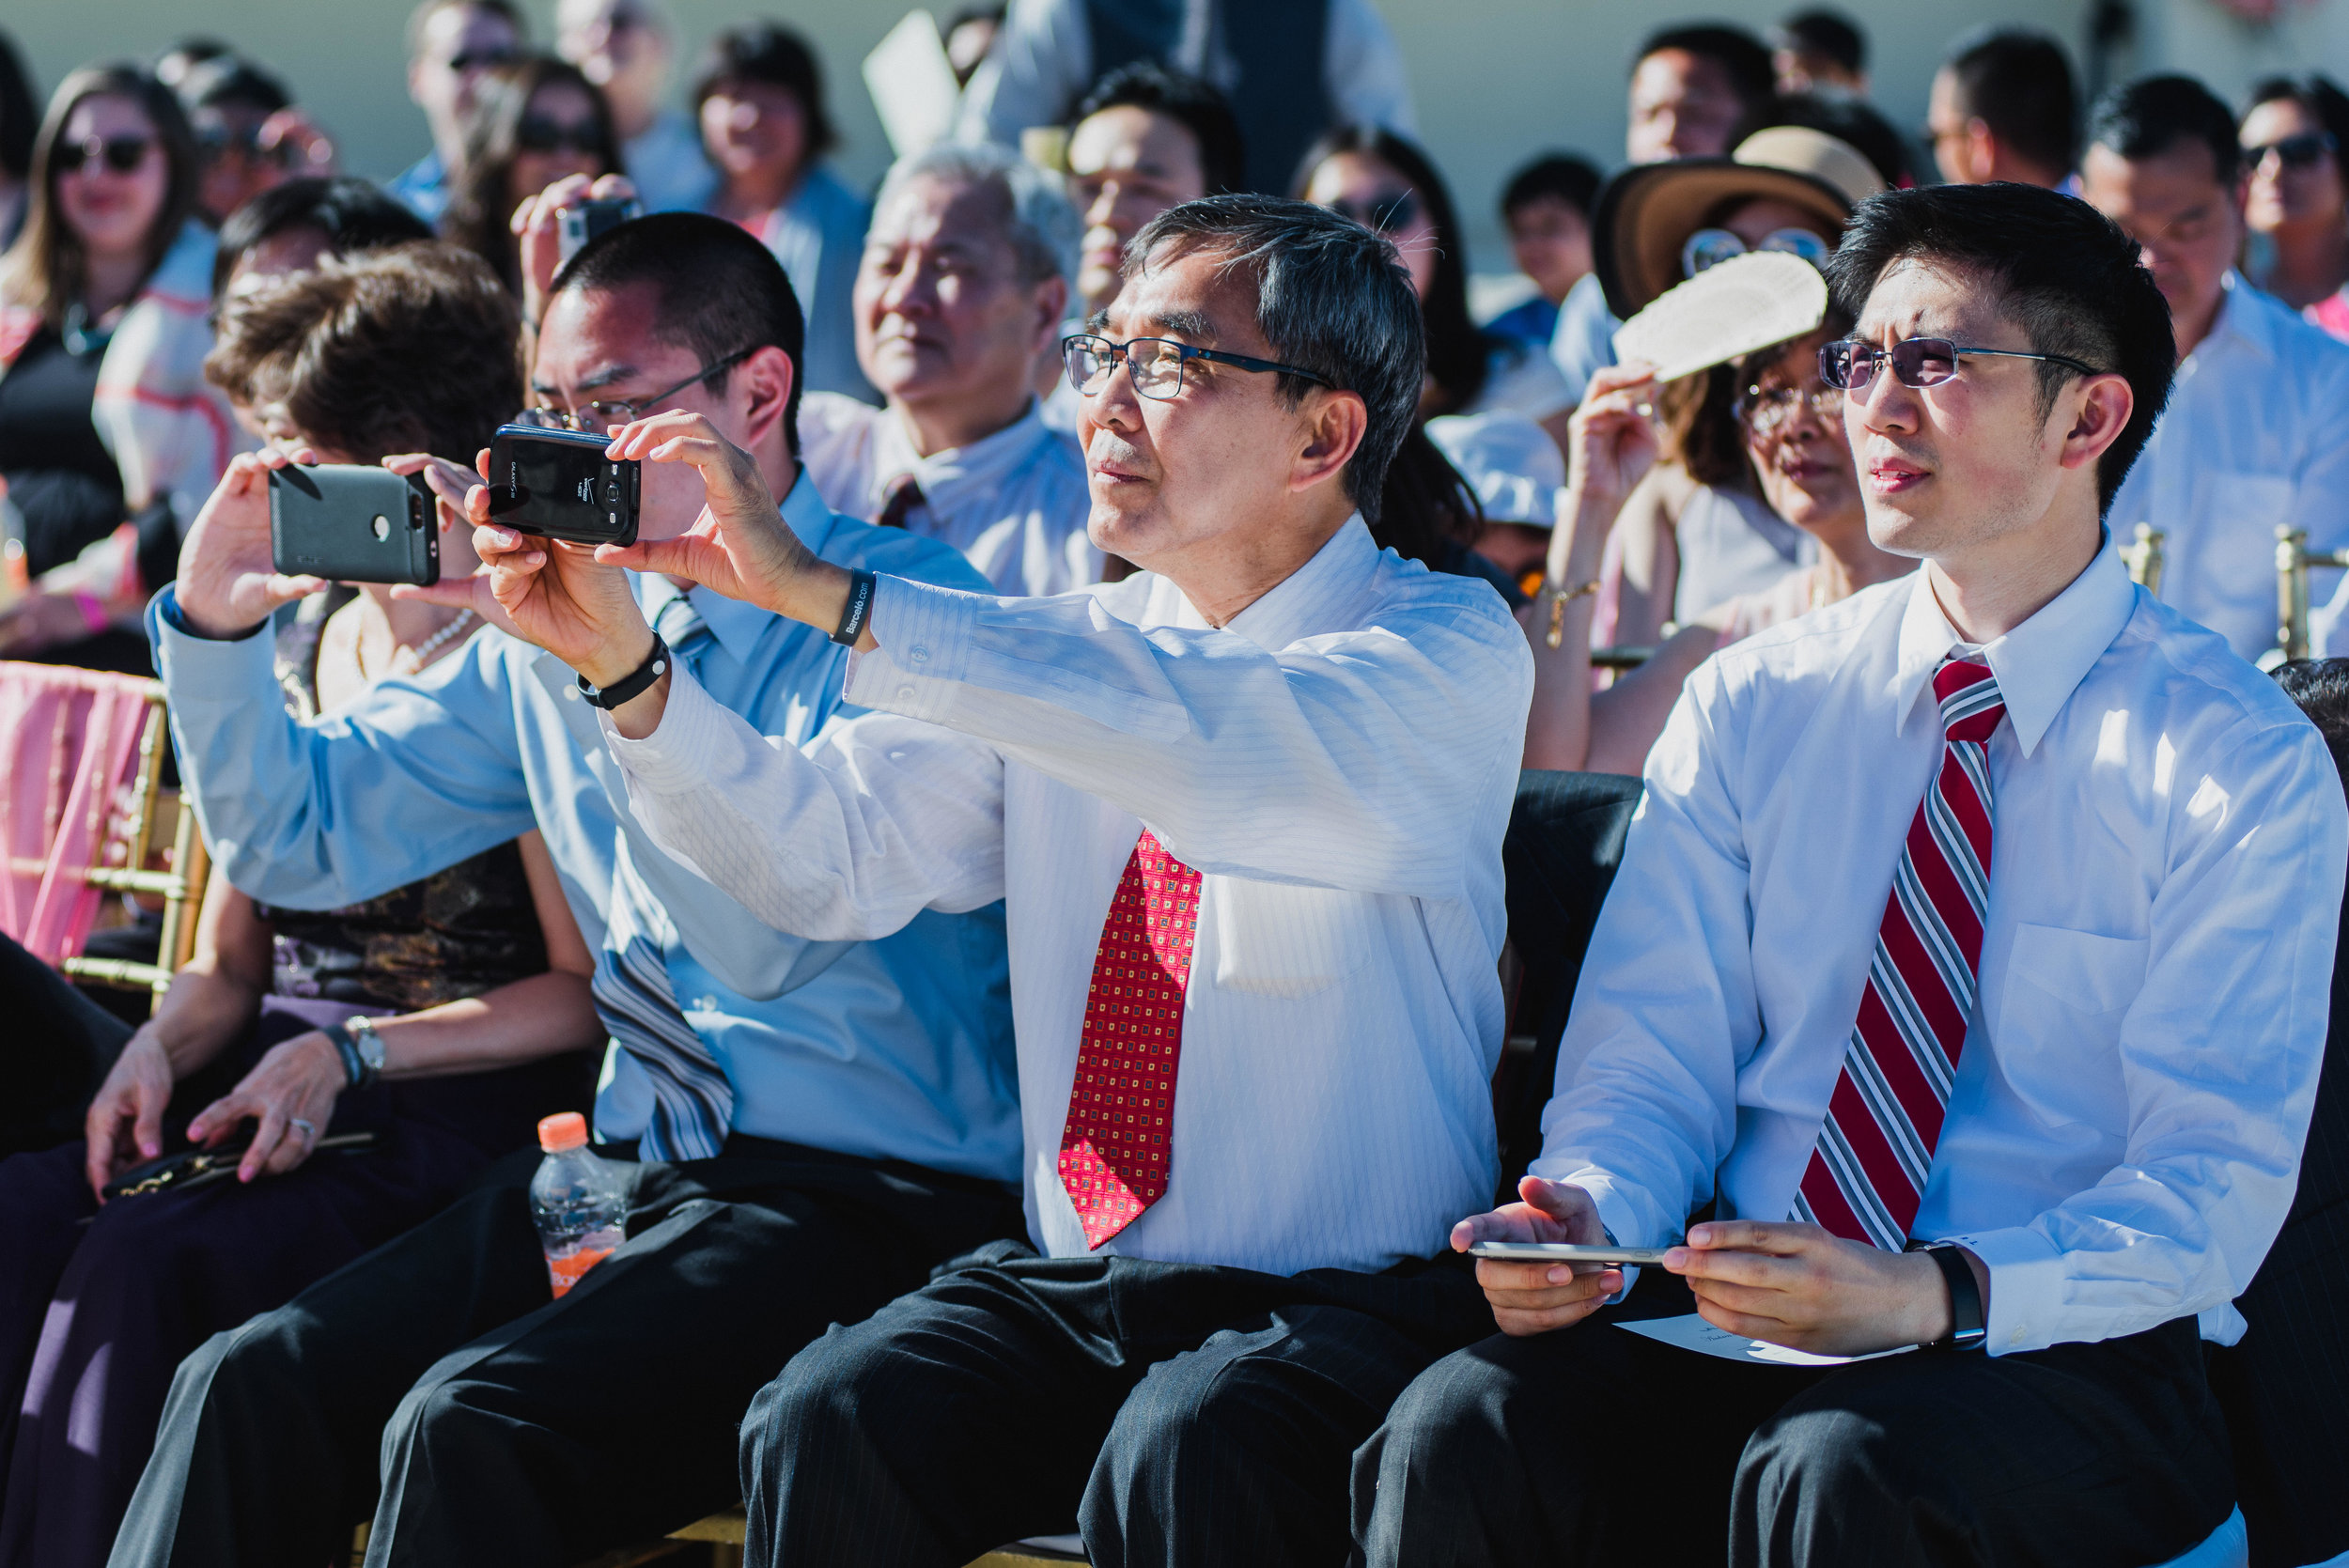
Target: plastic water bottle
(578, 1200)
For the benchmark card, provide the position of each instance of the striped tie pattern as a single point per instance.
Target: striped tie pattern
(693, 1100)
(1867, 1172)
(1117, 1148)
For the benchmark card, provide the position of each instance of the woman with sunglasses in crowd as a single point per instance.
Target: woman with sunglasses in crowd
(1697, 531)
(104, 414)
(537, 121)
(2297, 207)
(1384, 182)
(1787, 423)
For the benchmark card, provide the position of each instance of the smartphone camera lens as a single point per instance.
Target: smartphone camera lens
(381, 526)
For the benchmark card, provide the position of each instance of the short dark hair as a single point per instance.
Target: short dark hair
(771, 53)
(2147, 117)
(1190, 102)
(2063, 271)
(428, 9)
(2320, 687)
(353, 214)
(719, 292)
(1739, 53)
(410, 350)
(2017, 82)
(1331, 297)
(2318, 96)
(227, 79)
(1568, 177)
(1849, 122)
(1828, 34)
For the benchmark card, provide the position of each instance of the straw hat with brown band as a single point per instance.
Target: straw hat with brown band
(1647, 212)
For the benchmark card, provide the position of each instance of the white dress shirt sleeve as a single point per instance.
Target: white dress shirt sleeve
(2220, 1052)
(1646, 1108)
(1351, 760)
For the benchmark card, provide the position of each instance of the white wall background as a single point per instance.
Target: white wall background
(1496, 80)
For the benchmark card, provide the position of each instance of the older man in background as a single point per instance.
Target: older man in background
(963, 282)
(450, 43)
(2257, 433)
(626, 47)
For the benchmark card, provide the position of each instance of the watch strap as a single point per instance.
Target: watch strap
(1969, 1324)
(633, 685)
(353, 1066)
(859, 611)
(370, 1046)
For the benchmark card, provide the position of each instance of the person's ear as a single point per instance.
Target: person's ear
(2100, 410)
(760, 390)
(1333, 425)
(1982, 150)
(1051, 309)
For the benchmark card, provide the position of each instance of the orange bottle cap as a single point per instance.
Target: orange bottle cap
(563, 1132)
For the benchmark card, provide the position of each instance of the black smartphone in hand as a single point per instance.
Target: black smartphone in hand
(352, 523)
(560, 485)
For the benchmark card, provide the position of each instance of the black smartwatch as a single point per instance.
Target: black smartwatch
(1969, 1324)
(631, 685)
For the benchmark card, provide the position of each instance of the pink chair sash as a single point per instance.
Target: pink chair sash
(69, 751)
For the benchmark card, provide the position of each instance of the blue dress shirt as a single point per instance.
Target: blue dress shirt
(423, 187)
(897, 1048)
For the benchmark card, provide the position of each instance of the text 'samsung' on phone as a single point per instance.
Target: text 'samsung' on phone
(352, 523)
(559, 484)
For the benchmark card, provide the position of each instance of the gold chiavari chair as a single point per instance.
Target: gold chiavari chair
(2293, 560)
(2143, 558)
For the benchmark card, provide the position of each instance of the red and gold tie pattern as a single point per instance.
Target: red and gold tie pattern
(1116, 1147)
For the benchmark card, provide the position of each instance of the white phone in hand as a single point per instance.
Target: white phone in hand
(1566, 1251)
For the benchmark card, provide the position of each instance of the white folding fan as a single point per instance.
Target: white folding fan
(1747, 303)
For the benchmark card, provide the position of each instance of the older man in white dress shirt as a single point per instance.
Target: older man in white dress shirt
(962, 285)
(2040, 1108)
(1245, 814)
(2257, 430)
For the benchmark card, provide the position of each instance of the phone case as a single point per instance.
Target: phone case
(558, 484)
(352, 523)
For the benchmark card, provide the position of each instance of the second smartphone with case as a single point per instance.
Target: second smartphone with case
(352, 523)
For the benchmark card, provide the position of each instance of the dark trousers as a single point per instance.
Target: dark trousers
(55, 1049)
(1596, 1445)
(510, 1429)
(1179, 1413)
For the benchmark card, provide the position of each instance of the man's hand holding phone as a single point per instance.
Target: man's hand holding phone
(558, 594)
(228, 584)
(1536, 1298)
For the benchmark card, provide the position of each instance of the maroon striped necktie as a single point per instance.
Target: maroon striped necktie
(1867, 1172)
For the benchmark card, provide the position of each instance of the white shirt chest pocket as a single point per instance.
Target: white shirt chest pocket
(2240, 512)
(2059, 1030)
(1274, 938)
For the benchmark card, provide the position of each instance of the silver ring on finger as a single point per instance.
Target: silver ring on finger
(310, 1132)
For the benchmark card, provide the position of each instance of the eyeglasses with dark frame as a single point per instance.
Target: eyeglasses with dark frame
(611, 416)
(1849, 365)
(1156, 372)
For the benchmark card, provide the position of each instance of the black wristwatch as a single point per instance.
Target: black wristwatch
(633, 685)
(1969, 1324)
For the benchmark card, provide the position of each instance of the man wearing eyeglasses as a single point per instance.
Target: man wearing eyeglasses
(2257, 434)
(1245, 811)
(450, 43)
(809, 1127)
(1966, 978)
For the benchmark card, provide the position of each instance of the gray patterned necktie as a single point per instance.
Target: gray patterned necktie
(693, 1100)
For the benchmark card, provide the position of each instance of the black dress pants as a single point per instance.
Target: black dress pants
(509, 1429)
(1180, 1413)
(57, 1048)
(1596, 1446)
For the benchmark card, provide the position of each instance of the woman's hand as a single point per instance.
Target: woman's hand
(124, 1125)
(41, 620)
(462, 585)
(537, 225)
(1613, 435)
(290, 1093)
(228, 583)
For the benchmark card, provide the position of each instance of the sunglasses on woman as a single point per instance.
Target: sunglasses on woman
(536, 133)
(1710, 247)
(122, 154)
(1849, 365)
(2293, 152)
(1389, 212)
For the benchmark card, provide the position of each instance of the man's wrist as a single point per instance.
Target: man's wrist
(621, 656)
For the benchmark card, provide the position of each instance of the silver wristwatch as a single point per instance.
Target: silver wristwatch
(370, 1046)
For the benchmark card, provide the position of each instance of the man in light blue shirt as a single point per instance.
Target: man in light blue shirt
(796, 1104)
(450, 44)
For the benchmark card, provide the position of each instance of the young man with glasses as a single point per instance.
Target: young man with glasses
(1244, 811)
(1966, 977)
(2257, 435)
(808, 1127)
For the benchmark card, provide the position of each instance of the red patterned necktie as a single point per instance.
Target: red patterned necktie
(1867, 1173)
(1115, 1150)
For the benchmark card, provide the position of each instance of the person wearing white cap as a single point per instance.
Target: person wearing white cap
(1516, 472)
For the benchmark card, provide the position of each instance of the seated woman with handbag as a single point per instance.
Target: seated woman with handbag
(350, 1071)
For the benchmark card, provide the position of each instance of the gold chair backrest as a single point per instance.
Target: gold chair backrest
(2143, 558)
(2293, 560)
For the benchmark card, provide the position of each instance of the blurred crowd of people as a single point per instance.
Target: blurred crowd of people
(418, 826)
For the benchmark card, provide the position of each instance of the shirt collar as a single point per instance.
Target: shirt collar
(946, 477)
(736, 624)
(2040, 663)
(1317, 596)
(2241, 319)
